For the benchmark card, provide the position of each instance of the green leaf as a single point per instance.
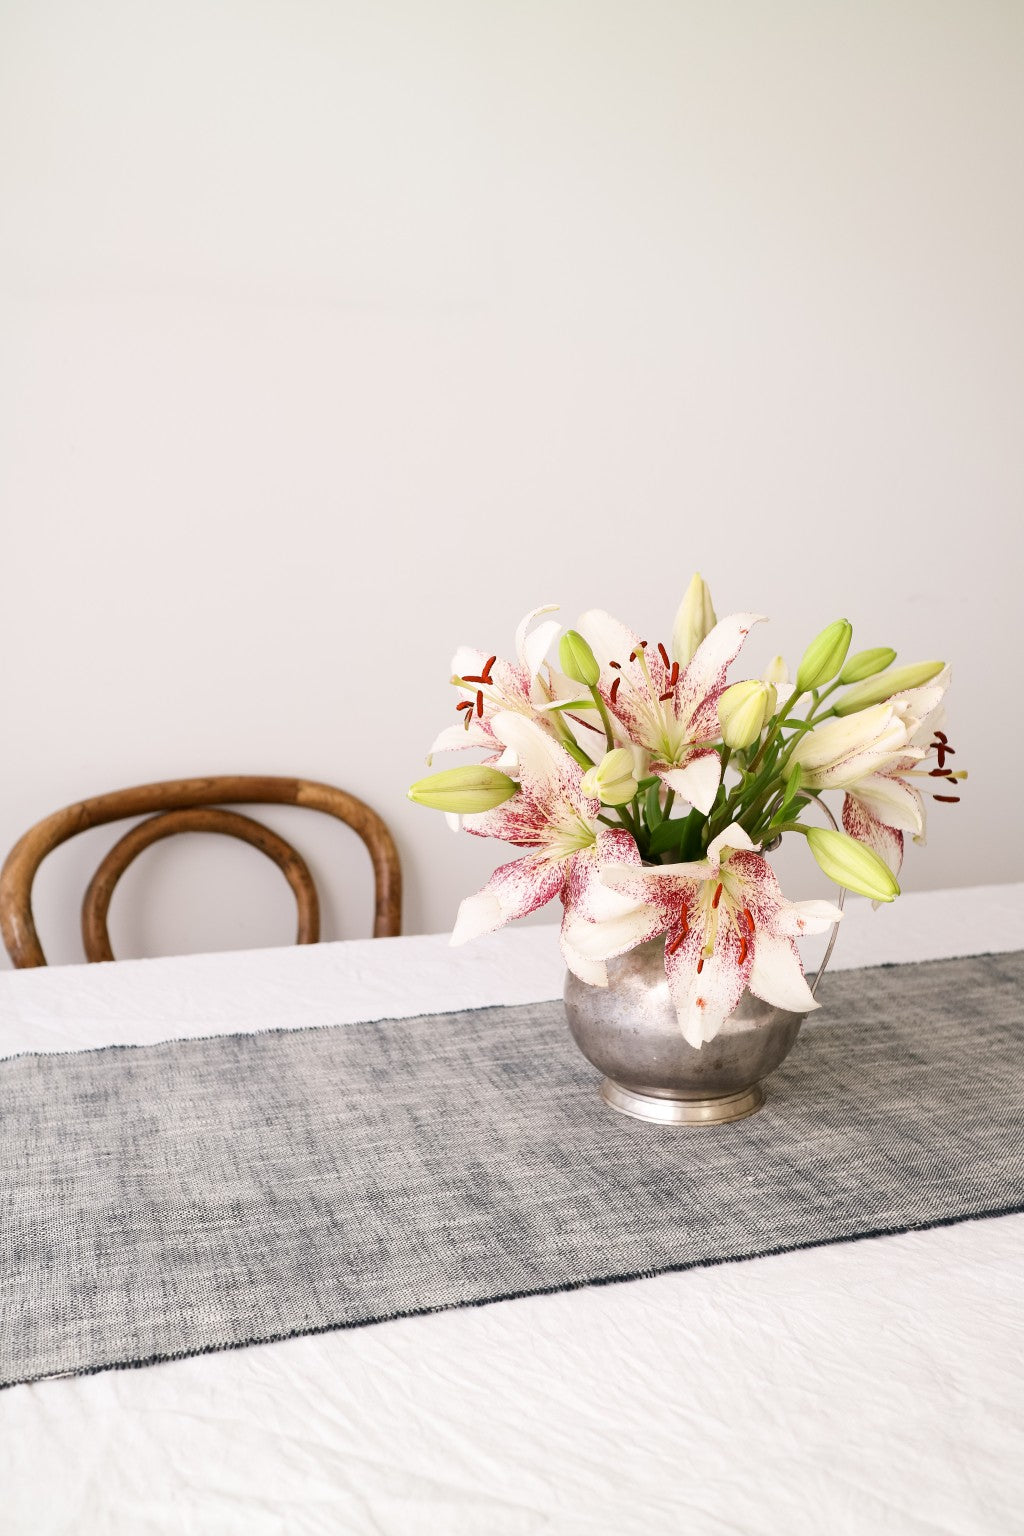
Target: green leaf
(652, 806)
(667, 836)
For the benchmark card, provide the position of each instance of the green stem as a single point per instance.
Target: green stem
(783, 712)
(605, 719)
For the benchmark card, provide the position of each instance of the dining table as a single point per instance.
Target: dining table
(868, 1386)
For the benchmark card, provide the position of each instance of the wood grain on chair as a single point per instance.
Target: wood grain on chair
(190, 805)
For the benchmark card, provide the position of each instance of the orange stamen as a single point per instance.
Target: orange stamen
(716, 898)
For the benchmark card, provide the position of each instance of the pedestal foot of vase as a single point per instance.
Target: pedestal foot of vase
(663, 1110)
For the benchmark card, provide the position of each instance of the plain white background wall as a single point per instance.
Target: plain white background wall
(334, 334)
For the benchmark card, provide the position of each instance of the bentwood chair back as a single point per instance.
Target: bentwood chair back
(191, 805)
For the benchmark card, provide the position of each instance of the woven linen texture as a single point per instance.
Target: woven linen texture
(161, 1201)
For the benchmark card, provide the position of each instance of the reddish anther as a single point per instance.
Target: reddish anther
(479, 704)
(743, 948)
(673, 944)
(675, 675)
(487, 669)
(466, 704)
(684, 919)
(669, 693)
(616, 664)
(716, 898)
(663, 654)
(947, 799)
(700, 965)
(750, 920)
(614, 690)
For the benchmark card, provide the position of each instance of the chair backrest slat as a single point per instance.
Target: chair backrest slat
(179, 805)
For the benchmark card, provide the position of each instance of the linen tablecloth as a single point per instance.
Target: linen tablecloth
(871, 1387)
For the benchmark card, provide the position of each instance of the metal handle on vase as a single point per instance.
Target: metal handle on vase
(826, 957)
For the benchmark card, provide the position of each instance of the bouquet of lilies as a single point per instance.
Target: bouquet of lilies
(644, 790)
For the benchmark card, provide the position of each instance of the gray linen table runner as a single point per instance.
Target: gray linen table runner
(168, 1200)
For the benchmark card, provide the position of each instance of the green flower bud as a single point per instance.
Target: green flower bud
(776, 671)
(852, 864)
(577, 659)
(742, 712)
(465, 791)
(897, 680)
(694, 621)
(866, 664)
(613, 781)
(824, 656)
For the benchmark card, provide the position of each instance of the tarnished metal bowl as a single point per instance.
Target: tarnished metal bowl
(630, 1033)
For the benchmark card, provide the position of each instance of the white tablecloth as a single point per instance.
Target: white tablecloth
(869, 1387)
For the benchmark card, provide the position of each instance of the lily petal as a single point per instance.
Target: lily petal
(890, 800)
(600, 941)
(455, 737)
(514, 890)
(777, 976)
(540, 758)
(532, 648)
(698, 780)
(800, 918)
(706, 672)
(887, 842)
(607, 637)
(735, 837)
(705, 999)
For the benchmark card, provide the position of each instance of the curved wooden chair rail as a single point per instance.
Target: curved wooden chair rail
(190, 805)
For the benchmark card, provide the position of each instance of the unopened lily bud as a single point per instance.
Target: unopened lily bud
(866, 664)
(612, 781)
(824, 656)
(464, 791)
(896, 680)
(742, 712)
(852, 864)
(577, 659)
(776, 671)
(694, 621)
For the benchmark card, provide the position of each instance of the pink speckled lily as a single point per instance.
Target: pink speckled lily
(487, 685)
(873, 755)
(557, 824)
(666, 705)
(880, 808)
(727, 926)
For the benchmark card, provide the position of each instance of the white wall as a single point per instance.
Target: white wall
(334, 334)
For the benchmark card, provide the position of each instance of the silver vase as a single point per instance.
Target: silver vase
(629, 1031)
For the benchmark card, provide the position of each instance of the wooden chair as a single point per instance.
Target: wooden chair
(190, 805)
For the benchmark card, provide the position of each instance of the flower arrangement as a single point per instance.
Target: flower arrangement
(645, 790)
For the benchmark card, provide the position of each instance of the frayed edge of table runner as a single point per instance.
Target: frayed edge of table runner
(593, 1282)
(812, 1019)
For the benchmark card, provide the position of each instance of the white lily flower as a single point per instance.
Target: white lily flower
(487, 685)
(727, 926)
(882, 806)
(557, 824)
(841, 751)
(669, 709)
